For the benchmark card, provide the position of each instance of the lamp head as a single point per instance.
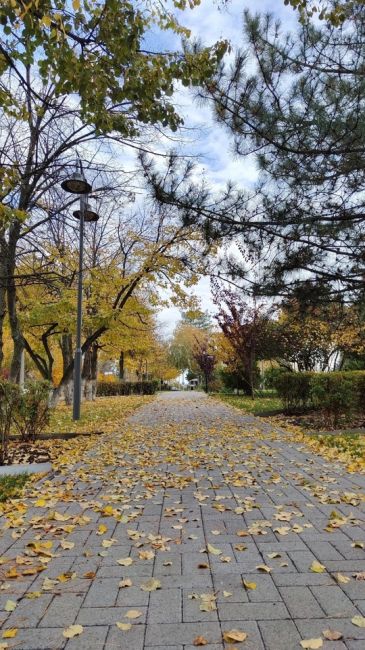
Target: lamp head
(76, 184)
(89, 215)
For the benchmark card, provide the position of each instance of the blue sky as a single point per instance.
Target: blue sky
(210, 142)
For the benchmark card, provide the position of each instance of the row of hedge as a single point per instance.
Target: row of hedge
(114, 388)
(333, 393)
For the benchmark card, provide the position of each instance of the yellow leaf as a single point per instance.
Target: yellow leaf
(273, 555)
(10, 633)
(125, 583)
(124, 626)
(10, 605)
(40, 503)
(233, 636)
(311, 644)
(125, 561)
(342, 579)
(73, 630)
(151, 585)
(133, 613)
(214, 551)
(33, 594)
(264, 568)
(359, 621)
(226, 594)
(332, 635)
(67, 546)
(317, 567)
(76, 5)
(200, 640)
(358, 545)
(249, 585)
(102, 529)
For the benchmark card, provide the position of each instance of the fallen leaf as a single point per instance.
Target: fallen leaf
(200, 640)
(332, 635)
(102, 528)
(214, 551)
(359, 621)
(127, 582)
(342, 579)
(10, 605)
(10, 633)
(358, 545)
(133, 613)
(317, 567)
(311, 644)
(249, 585)
(234, 635)
(124, 626)
(151, 585)
(226, 594)
(273, 555)
(67, 546)
(125, 561)
(264, 568)
(73, 630)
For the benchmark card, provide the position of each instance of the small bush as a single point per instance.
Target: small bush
(115, 388)
(294, 388)
(32, 415)
(334, 393)
(9, 403)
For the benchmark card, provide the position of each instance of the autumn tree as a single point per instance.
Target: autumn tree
(71, 74)
(248, 327)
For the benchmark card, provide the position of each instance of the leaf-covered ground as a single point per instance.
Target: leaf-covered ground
(192, 525)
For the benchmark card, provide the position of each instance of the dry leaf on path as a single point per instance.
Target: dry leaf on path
(151, 585)
(214, 551)
(125, 561)
(73, 630)
(359, 621)
(200, 640)
(10, 605)
(317, 567)
(10, 633)
(133, 613)
(332, 635)
(249, 585)
(124, 626)
(312, 644)
(234, 636)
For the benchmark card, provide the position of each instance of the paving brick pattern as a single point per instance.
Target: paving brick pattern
(289, 604)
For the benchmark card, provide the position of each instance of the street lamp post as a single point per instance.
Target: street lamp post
(77, 184)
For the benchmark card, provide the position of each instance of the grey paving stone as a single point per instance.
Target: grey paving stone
(39, 639)
(92, 638)
(131, 640)
(109, 615)
(333, 601)
(283, 634)
(165, 606)
(301, 602)
(182, 633)
(62, 611)
(252, 611)
(29, 612)
(103, 592)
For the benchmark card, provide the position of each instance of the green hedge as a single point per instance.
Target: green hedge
(114, 388)
(333, 393)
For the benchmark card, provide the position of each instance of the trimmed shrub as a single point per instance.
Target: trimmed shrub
(33, 412)
(293, 388)
(335, 393)
(115, 388)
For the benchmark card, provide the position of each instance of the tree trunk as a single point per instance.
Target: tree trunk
(2, 298)
(67, 356)
(14, 232)
(121, 365)
(89, 372)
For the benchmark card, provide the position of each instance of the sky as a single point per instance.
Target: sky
(217, 162)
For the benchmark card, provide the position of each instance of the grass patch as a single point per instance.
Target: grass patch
(104, 414)
(261, 404)
(11, 486)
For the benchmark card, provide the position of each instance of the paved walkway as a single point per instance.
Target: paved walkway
(200, 498)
